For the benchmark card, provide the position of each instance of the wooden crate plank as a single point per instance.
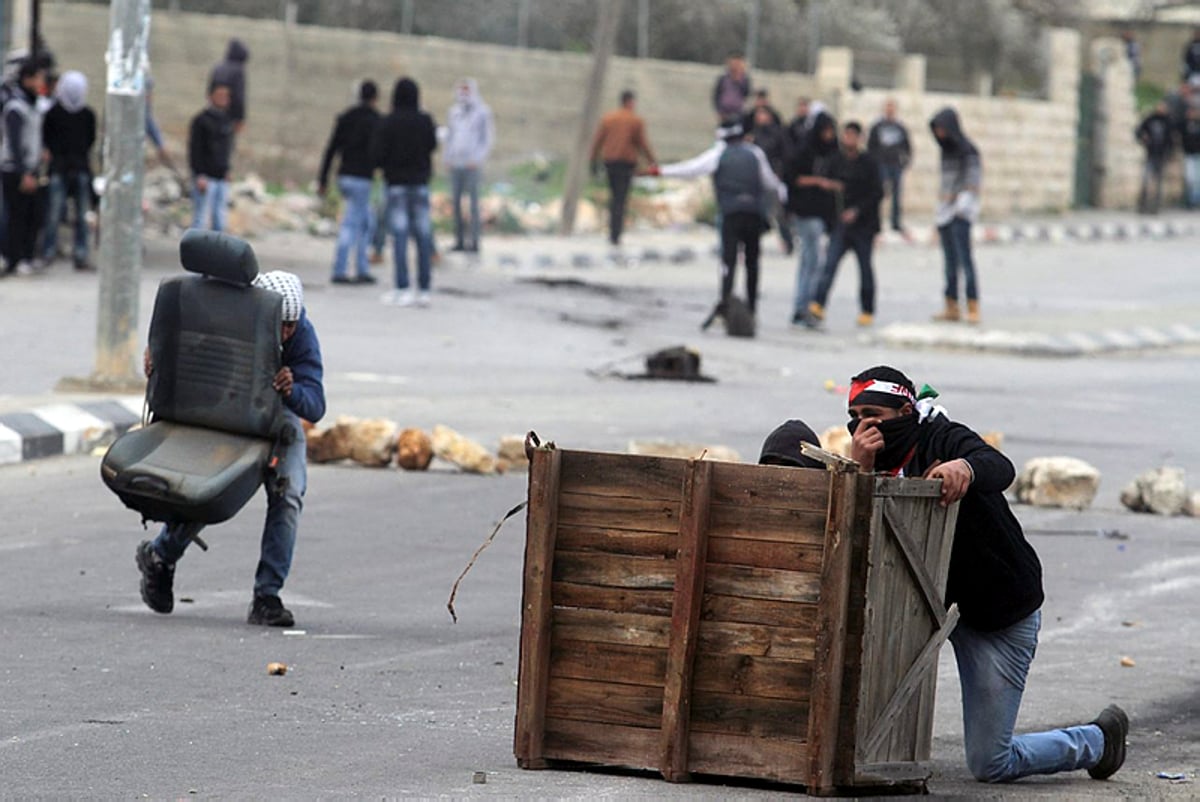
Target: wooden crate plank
(852, 665)
(685, 619)
(766, 554)
(767, 523)
(609, 662)
(536, 608)
(829, 650)
(764, 677)
(604, 702)
(785, 643)
(617, 541)
(613, 570)
(602, 626)
(635, 514)
(763, 583)
(773, 487)
(903, 525)
(778, 759)
(900, 487)
(749, 715)
(604, 744)
(602, 474)
(738, 610)
(616, 600)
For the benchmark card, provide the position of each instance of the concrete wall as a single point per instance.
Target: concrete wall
(300, 77)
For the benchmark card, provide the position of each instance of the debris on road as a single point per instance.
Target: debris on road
(475, 556)
(1173, 776)
(1057, 482)
(677, 450)
(467, 454)
(277, 669)
(1128, 662)
(512, 451)
(414, 450)
(1162, 491)
(479, 778)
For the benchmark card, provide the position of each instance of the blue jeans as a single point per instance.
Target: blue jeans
(1191, 174)
(210, 204)
(279, 531)
(465, 180)
(77, 184)
(408, 211)
(956, 247)
(808, 231)
(861, 241)
(891, 176)
(992, 667)
(355, 231)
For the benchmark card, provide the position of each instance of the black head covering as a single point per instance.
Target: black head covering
(782, 446)
(406, 95)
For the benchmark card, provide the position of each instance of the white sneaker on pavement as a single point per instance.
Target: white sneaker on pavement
(423, 298)
(398, 298)
(24, 268)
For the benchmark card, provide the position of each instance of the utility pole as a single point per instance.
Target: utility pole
(120, 262)
(523, 14)
(643, 29)
(752, 25)
(407, 12)
(608, 18)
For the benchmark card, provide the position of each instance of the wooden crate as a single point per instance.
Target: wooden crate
(724, 619)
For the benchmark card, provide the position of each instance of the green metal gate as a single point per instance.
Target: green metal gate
(1085, 145)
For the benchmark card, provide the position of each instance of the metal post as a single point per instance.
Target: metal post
(18, 26)
(523, 14)
(608, 17)
(755, 16)
(643, 29)
(120, 255)
(35, 28)
(814, 34)
(407, 12)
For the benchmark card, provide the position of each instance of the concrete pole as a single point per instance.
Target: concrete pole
(643, 29)
(752, 25)
(608, 18)
(407, 12)
(814, 34)
(19, 26)
(523, 14)
(120, 262)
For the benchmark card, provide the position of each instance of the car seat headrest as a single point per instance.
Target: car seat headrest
(220, 256)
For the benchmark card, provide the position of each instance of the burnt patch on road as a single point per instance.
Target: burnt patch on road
(579, 285)
(602, 322)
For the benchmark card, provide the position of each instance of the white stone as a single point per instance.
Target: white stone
(1162, 491)
(1057, 482)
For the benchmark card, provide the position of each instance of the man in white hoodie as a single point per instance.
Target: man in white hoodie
(470, 133)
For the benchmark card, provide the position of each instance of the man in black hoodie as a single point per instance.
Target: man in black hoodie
(351, 139)
(402, 147)
(232, 73)
(811, 203)
(1155, 135)
(995, 579)
(210, 148)
(20, 160)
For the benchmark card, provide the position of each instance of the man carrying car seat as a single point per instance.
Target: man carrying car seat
(299, 382)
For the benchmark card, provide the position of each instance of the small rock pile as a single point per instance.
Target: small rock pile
(1162, 491)
(1057, 482)
(380, 443)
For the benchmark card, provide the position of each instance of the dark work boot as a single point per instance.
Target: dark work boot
(268, 611)
(1113, 722)
(158, 577)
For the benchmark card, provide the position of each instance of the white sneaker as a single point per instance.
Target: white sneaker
(398, 298)
(423, 298)
(24, 268)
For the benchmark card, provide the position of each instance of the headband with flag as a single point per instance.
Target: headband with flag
(884, 393)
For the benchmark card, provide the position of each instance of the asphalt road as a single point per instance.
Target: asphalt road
(101, 698)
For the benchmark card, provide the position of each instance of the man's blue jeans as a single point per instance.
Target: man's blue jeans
(846, 238)
(892, 177)
(78, 185)
(956, 247)
(408, 211)
(279, 532)
(992, 667)
(355, 231)
(1191, 174)
(808, 273)
(465, 180)
(210, 204)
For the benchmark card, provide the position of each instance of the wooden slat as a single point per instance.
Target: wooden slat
(829, 652)
(616, 600)
(613, 570)
(605, 744)
(763, 583)
(748, 715)
(685, 619)
(536, 609)
(765, 554)
(853, 672)
(764, 677)
(604, 702)
(899, 487)
(786, 643)
(767, 523)
(876, 774)
(739, 610)
(778, 759)
(635, 514)
(914, 558)
(612, 662)
(760, 486)
(617, 541)
(622, 475)
(600, 626)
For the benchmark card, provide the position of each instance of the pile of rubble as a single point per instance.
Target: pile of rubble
(380, 443)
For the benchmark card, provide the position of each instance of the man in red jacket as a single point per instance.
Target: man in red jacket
(995, 578)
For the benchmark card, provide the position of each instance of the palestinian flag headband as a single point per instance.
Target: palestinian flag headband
(882, 393)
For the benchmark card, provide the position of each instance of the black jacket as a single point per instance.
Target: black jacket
(888, 143)
(69, 137)
(811, 156)
(405, 140)
(210, 144)
(1191, 59)
(351, 138)
(232, 73)
(863, 189)
(995, 575)
(1155, 135)
(1189, 136)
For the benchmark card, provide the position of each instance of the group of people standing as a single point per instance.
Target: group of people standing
(45, 163)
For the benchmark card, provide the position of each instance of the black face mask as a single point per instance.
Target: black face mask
(899, 436)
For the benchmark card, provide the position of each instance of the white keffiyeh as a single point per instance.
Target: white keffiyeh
(288, 285)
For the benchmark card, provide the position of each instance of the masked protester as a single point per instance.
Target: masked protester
(782, 446)
(995, 578)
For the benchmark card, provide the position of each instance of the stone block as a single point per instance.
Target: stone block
(1162, 491)
(463, 452)
(1057, 482)
(414, 450)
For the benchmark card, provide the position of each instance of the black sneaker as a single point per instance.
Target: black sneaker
(158, 576)
(342, 280)
(1113, 722)
(366, 278)
(268, 611)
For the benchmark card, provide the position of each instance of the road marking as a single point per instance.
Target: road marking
(373, 378)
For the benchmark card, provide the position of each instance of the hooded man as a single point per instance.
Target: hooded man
(812, 203)
(232, 73)
(351, 142)
(68, 133)
(1155, 135)
(20, 158)
(402, 147)
(300, 381)
(470, 133)
(782, 446)
(957, 209)
(995, 578)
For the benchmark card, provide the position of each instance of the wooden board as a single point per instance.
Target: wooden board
(621, 475)
(635, 514)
